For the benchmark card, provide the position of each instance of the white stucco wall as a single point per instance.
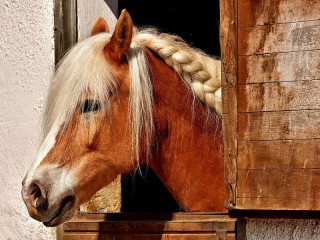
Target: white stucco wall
(26, 64)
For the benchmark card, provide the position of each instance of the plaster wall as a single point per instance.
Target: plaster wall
(283, 229)
(26, 65)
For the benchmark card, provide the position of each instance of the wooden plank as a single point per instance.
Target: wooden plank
(293, 154)
(277, 67)
(65, 27)
(96, 236)
(300, 36)
(282, 189)
(276, 206)
(228, 42)
(279, 125)
(130, 216)
(225, 103)
(277, 11)
(279, 96)
(148, 226)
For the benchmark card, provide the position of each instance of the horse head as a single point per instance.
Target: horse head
(75, 159)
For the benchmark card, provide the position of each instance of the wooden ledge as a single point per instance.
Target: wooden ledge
(151, 226)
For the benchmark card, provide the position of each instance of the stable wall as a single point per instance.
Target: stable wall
(26, 65)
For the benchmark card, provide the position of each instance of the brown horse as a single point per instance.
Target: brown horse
(124, 99)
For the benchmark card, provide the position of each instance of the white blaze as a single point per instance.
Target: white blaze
(45, 148)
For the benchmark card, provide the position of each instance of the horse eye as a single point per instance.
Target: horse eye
(90, 106)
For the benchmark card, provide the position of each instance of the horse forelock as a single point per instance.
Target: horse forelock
(82, 70)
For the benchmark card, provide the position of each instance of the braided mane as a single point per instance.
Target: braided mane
(200, 71)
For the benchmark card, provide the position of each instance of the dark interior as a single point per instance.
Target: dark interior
(197, 22)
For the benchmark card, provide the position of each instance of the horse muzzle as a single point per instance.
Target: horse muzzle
(46, 203)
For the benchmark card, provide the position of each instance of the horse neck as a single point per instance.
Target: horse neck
(189, 157)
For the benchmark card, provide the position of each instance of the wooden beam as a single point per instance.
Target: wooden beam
(228, 41)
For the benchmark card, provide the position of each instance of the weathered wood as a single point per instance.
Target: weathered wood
(95, 236)
(279, 96)
(279, 125)
(150, 226)
(300, 36)
(65, 27)
(278, 67)
(228, 41)
(179, 216)
(294, 154)
(271, 105)
(277, 11)
(282, 189)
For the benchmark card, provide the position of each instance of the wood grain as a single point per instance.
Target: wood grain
(279, 125)
(228, 42)
(282, 189)
(95, 236)
(276, 67)
(180, 226)
(149, 226)
(271, 104)
(253, 13)
(285, 154)
(175, 216)
(279, 96)
(299, 36)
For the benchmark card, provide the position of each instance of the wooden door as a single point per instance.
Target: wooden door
(271, 72)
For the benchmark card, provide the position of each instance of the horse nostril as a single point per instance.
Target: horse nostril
(38, 197)
(68, 199)
(35, 191)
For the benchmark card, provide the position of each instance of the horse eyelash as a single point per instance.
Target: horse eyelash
(90, 106)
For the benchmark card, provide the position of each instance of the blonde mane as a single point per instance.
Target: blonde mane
(84, 69)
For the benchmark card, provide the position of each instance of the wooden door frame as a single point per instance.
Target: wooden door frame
(65, 26)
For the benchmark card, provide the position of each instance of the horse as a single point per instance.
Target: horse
(122, 99)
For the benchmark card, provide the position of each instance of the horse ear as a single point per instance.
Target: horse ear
(100, 26)
(121, 38)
